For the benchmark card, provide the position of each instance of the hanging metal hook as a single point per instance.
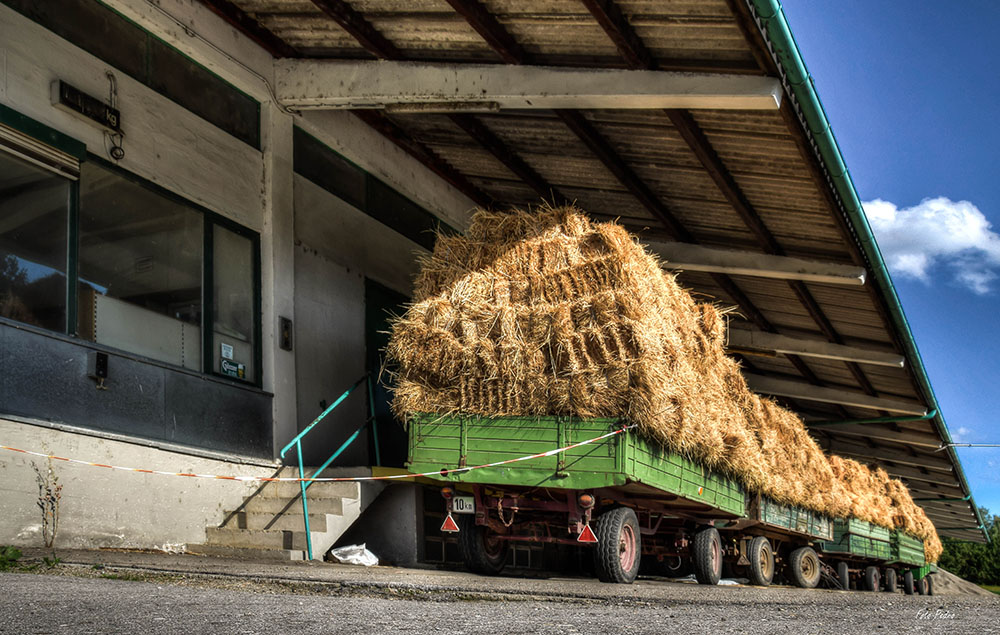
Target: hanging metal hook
(116, 151)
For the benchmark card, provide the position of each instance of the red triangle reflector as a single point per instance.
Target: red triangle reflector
(587, 535)
(449, 524)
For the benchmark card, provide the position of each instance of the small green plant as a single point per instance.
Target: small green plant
(52, 562)
(49, 493)
(9, 557)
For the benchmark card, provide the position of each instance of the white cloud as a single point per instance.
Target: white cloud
(961, 435)
(938, 232)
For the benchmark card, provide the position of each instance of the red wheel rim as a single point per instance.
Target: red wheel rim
(626, 548)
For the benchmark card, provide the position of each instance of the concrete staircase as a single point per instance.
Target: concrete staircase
(269, 524)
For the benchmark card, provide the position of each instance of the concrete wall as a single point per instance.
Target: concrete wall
(329, 306)
(164, 142)
(337, 247)
(104, 508)
(392, 527)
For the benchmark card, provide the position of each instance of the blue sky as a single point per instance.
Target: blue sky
(913, 92)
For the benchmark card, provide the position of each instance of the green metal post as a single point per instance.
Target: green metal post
(371, 411)
(305, 505)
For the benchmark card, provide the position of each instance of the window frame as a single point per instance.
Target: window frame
(210, 220)
(53, 138)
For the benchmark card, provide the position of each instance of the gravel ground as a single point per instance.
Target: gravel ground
(85, 599)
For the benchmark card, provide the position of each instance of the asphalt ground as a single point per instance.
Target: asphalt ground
(122, 592)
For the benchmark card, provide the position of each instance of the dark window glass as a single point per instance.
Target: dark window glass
(233, 304)
(34, 204)
(327, 169)
(140, 269)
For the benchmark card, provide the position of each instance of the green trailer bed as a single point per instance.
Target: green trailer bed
(628, 462)
(794, 519)
(858, 538)
(906, 549)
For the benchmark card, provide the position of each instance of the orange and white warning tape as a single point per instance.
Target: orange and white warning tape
(292, 479)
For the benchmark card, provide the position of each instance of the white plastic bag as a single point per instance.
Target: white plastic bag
(354, 554)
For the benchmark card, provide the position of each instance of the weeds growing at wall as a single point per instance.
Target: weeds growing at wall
(49, 493)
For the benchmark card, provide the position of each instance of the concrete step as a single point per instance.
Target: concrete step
(272, 505)
(288, 521)
(274, 538)
(249, 538)
(335, 489)
(221, 551)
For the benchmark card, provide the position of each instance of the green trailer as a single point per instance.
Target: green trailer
(622, 495)
(874, 558)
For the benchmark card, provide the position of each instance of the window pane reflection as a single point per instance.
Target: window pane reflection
(233, 295)
(140, 269)
(34, 205)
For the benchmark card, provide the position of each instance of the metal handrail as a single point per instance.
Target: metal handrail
(297, 443)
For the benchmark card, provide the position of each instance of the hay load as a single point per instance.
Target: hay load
(549, 313)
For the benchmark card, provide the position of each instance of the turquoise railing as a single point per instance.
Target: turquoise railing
(304, 482)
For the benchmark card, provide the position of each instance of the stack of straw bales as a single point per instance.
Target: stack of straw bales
(550, 314)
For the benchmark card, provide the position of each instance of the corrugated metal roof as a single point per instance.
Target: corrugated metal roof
(765, 154)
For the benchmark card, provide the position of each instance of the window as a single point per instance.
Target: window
(151, 274)
(140, 269)
(34, 209)
(233, 303)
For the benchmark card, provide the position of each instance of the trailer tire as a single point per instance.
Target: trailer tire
(872, 578)
(481, 550)
(890, 580)
(804, 567)
(761, 558)
(619, 549)
(908, 583)
(844, 575)
(706, 556)
(930, 584)
(675, 567)
(921, 584)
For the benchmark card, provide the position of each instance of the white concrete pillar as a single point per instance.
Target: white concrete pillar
(277, 244)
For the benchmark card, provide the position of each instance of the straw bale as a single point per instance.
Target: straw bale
(548, 313)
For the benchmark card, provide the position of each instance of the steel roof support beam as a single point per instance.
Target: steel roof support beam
(690, 257)
(437, 87)
(915, 438)
(425, 155)
(756, 342)
(868, 450)
(495, 146)
(251, 27)
(360, 29)
(486, 25)
(808, 392)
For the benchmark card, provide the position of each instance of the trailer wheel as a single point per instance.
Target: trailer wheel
(890, 581)
(921, 584)
(844, 576)
(803, 565)
(908, 583)
(618, 550)
(707, 556)
(930, 585)
(761, 561)
(483, 551)
(675, 567)
(872, 578)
